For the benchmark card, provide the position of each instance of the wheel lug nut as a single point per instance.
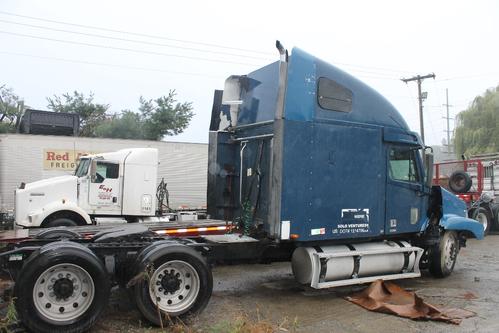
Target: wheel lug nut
(40, 294)
(75, 305)
(84, 294)
(158, 283)
(160, 276)
(160, 289)
(61, 309)
(60, 276)
(48, 305)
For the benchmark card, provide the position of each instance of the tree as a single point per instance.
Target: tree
(164, 116)
(156, 118)
(11, 109)
(91, 114)
(128, 125)
(477, 128)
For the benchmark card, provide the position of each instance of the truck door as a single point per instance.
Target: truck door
(405, 198)
(104, 189)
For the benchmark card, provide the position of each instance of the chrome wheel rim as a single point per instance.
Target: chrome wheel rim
(174, 287)
(63, 293)
(450, 252)
(482, 218)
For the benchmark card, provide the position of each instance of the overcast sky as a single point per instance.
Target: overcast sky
(121, 50)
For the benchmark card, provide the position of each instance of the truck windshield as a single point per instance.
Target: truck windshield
(82, 168)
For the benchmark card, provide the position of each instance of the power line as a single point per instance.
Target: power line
(107, 64)
(124, 49)
(134, 33)
(131, 40)
(182, 40)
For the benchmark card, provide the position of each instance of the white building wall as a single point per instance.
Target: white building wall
(182, 165)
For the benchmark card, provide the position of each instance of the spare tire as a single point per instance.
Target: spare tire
(460, 182)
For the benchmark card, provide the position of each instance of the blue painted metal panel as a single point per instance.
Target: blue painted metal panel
(455, 215)
(301, 87)
(459, 223)
(260, 95)
(452, 204)
(391, 134)
(333, 180)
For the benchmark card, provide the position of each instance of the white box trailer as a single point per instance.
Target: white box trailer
(28, 158)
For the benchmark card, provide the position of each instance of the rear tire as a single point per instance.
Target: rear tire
(495, 219)
(443, 256)
(61, 222)
(483, 216)
(178, 283)
(63, 287)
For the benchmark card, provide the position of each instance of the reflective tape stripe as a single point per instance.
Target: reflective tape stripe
(191, 230)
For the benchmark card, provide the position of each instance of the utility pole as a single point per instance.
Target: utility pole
(420, 79)
(447, 105)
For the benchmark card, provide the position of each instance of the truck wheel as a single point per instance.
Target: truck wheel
(483, 216)
(460, 182)
(495, 219)
(442, 257)
(178, 283)
(61, 222)
(63, 287)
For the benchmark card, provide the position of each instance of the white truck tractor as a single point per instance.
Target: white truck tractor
(111, 187)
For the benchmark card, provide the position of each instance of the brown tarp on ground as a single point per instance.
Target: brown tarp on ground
(387, 297)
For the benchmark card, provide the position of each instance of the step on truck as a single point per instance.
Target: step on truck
(308, 164)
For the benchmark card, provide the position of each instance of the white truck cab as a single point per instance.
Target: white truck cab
(119, 184)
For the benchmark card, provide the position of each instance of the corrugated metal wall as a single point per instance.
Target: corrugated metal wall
(183, 165)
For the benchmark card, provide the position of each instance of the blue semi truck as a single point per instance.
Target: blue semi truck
(306, 164)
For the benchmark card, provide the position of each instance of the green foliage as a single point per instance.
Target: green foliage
(125, 126)
(477, 129)
(154, 119)
(164, 116)
(91, 114)
(10, 112)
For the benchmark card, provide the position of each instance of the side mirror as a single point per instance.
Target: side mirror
(93, 170)
(428, 164)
